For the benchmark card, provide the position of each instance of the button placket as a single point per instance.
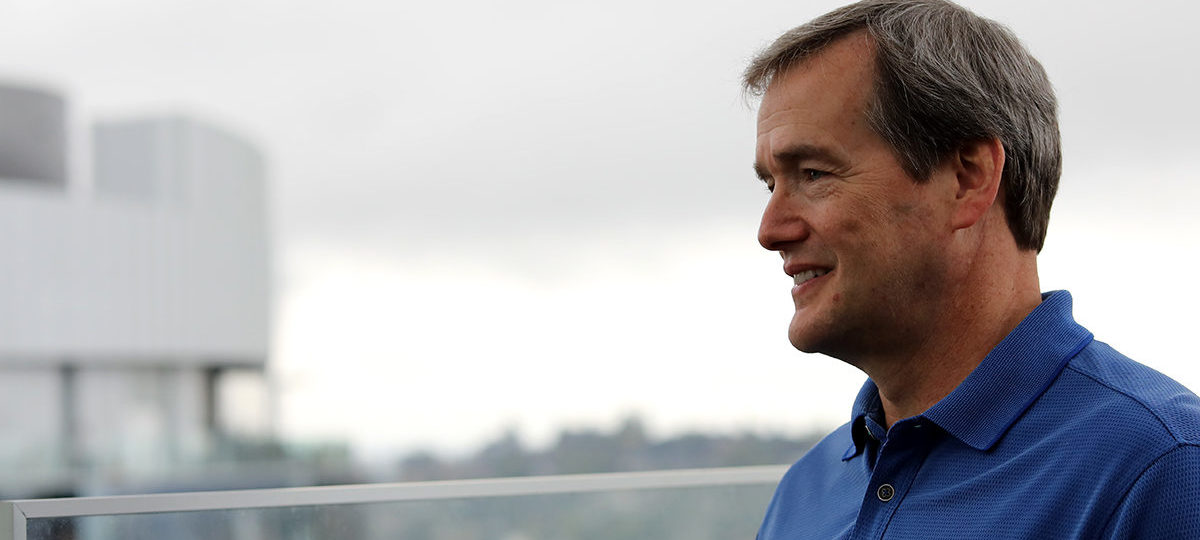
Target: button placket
(898, 461)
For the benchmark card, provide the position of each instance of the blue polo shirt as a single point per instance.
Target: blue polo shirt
(1054, 435)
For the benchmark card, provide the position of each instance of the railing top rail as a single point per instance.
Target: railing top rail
(396, 492)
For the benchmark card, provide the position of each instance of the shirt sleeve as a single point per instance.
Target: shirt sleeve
(1164, 502)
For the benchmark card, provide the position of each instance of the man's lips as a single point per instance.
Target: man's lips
(804, 276)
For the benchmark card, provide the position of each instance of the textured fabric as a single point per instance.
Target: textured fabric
(1054, 435)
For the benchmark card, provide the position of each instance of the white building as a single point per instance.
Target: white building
(132, 283)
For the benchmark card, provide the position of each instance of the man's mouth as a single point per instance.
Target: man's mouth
(801, 277)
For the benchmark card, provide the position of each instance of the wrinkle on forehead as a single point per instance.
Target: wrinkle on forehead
(786, 137)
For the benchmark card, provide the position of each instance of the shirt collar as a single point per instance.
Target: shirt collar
(866, 405)
(1008, 380)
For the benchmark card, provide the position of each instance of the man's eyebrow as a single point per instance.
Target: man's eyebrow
(761, 172)
(800, 152)
(796, 152)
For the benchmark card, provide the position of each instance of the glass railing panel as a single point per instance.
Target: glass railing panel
(724, 513)
(722, 504)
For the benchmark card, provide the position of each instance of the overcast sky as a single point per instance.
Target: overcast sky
(537, 214)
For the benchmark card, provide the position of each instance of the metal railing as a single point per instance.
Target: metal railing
(17, 516)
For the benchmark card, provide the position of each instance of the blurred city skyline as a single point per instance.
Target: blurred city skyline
(535, 215)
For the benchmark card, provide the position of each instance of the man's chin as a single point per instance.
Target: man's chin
(820, 335)
(803, 339)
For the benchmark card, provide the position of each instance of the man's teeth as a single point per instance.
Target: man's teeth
(807, 275)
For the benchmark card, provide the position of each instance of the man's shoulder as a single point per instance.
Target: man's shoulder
(820, 494)
(1130, 396)
(1142, 409)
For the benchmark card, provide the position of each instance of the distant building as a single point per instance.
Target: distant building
(127, 300)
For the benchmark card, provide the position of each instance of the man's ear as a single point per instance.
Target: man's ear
(978, 166)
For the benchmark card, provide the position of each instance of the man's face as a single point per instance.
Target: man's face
(863, 241)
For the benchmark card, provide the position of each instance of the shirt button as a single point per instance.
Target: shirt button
(885, 492)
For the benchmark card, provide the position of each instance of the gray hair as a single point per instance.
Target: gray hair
(945, 77)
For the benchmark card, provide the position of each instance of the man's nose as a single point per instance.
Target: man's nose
(781, 224)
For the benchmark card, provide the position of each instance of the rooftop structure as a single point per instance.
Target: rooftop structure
(129, 290)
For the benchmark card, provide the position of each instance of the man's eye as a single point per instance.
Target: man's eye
(813, 174)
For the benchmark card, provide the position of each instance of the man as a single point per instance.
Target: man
(912, 153)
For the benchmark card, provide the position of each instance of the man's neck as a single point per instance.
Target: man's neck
(974, 319)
